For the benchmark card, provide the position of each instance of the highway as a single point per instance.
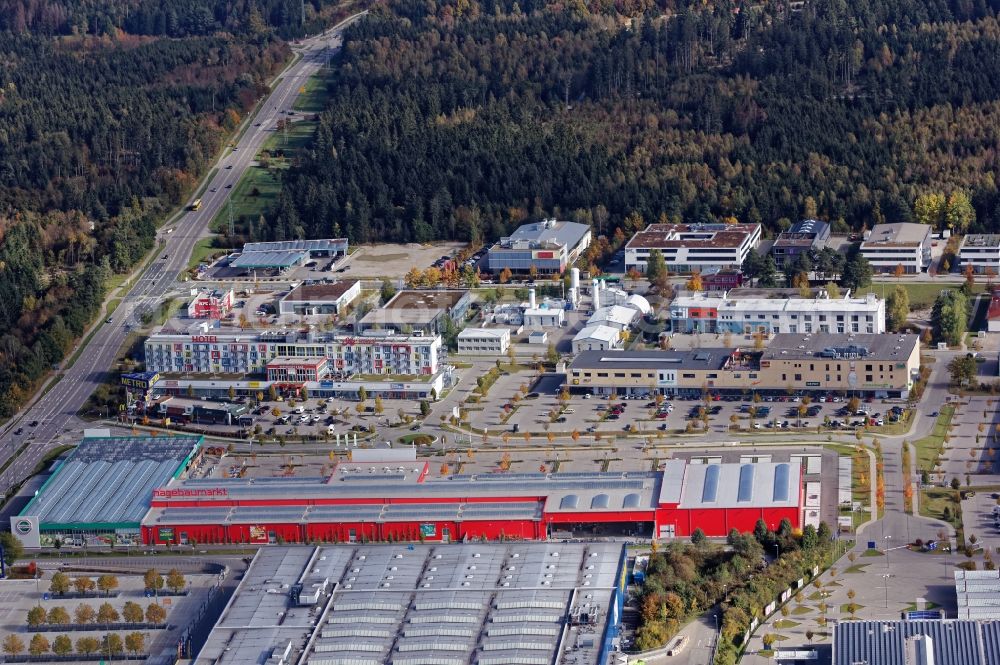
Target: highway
(55, 412)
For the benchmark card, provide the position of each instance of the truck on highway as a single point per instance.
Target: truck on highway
(196, 205)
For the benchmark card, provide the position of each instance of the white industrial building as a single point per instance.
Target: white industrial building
(693, 247)
(618, 317)
(544, 317)
(720, 313)
(312, 299)
(597, 338)
(890, 245)
(484, 341)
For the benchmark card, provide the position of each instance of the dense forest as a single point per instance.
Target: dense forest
(461, 118)
(170, 18)
(104, 127)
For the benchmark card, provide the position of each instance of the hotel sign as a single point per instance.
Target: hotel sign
(204, 339)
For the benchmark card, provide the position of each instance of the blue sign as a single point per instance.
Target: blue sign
(45, 596)
(923, 615)
(871, 544)
(932, 546)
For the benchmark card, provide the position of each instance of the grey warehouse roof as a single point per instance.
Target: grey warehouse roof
(713, 358)
(268, 259)
(564, 234)
(319, 245)
(758, 485)
(486, 603)
(110, 480)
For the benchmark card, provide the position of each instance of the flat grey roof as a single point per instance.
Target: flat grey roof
(757, 485)
(563, 234)
(487, 603)
(889, 346)
(414, 307)
(109, 480)
(901, 234)
(268, 259)
(318, 245)
(320, 292)
(712, 358)
(981, 240)
(884, 642)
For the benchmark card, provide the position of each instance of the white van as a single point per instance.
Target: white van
(331, 429)
(300, 409)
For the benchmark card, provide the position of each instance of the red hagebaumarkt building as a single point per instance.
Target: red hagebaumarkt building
(379, 501)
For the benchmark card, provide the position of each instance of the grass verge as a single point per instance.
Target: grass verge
(922, 294)
(929, 448)
(943, 504)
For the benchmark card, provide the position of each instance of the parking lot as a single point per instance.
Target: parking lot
(981, 517)
(543, 411)
(322, 418)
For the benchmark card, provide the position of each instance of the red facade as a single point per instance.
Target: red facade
(715, 522)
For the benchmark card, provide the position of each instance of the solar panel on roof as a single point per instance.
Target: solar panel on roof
(780, 490)
(710, 490)
(745, 492)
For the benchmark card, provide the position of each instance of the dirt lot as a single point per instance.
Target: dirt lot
(394, 261)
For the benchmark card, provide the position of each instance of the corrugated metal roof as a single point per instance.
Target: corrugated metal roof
(268, 259)
(109, 480)
(317, 245)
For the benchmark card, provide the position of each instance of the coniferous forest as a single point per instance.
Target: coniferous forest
(460, 118)
(109, 113)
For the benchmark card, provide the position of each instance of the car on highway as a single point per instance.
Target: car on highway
(229, 167)
(215, 189)
(229, 186)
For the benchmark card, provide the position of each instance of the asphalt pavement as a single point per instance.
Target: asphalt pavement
(55, 411)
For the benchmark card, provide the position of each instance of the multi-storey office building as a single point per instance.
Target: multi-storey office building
(209, 351)
(891, 245)
(982, 252)
(875, 365)
(693, 247)
(721, 313)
